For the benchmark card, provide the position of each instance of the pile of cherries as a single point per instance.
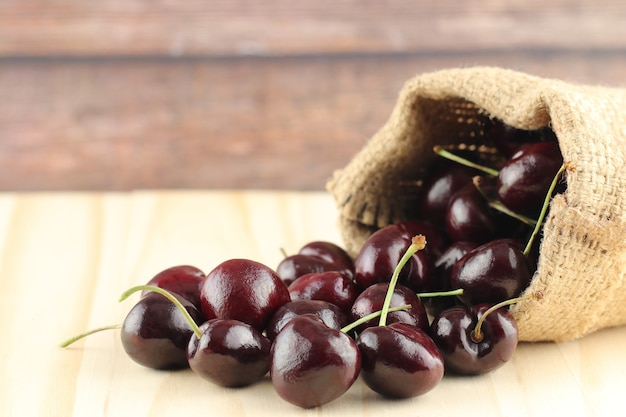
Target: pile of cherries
(420, 298)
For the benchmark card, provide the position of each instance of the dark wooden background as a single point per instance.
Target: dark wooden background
(120, 95)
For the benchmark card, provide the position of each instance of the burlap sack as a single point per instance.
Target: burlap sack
(582, 263)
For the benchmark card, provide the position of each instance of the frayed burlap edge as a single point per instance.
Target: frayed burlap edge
(582, 262)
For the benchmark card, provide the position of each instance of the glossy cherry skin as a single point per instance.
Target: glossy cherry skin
(294, 266)
(439, 187)
(443, 268)
(372, 299)
(184, 280)
(312, 364)
(331, 315)
(381, 253)
(244, 290)
(155, 333)
(399, 360)
(230, 353)
(452, 333)
(469, 217)
(490, 273)
(524, 180)
(332, 286)
(330, 252)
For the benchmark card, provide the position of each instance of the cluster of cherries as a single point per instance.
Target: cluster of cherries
(420, 298)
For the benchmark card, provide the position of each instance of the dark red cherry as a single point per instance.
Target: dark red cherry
(469, 217)
(382, 251)
(331, 315)
(439, 187)
(399, 360)
(294, 266)
(372, 299)
(490, 273)
(312, 364)
(443, 268)
(330, 252)
(244, 290)
(184, 280)
(332, 286)
(525, 179)
(229, 353)
(452, 331)
(155, 333)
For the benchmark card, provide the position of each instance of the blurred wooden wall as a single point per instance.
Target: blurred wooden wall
(119, 95)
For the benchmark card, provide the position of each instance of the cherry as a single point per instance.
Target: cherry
(438, 188)
(490, 273)
(243, 290)
(399, 360)
(478, 339)
(312, 364)
(332, 286)
(229, 353)
(315, 257)
(372, 299)
(184, 280)
(155, 332)
(469, 217)
(525, 179)
(330, 252)
(443, 268)
(382, 251)
(331, 315)
(506, 138)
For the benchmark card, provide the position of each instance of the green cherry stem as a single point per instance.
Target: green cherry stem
(417, 243)
(477, 335)
(453, 157)
(371, 316)
(170, 297)
(76, 338)
(450, 293)
(496, 205)
(544, 209)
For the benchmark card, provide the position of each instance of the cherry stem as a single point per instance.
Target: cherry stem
(450, 293)
(170, 297)
(496, 205)
(463, 161)
(371, 316)
(417, 243)
(544, 209)
(88, 333)
(477, 335)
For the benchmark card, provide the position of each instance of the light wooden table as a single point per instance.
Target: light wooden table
(65, 258)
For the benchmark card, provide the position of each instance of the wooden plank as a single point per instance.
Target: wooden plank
(70, 256)
(280, 123)
(282, 27)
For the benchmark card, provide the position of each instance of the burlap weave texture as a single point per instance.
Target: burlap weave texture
(582, 264)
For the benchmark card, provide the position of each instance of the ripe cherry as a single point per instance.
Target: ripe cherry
(331, 315)
(332, 286)
(315, 257)
(229, 353)
(478, 339)
(184, 280)
(381, 252)
(155, 333)
(399, 360)
(312, 364)
(243, 290)
(525, 179)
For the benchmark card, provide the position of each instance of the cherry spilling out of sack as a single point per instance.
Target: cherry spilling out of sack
(421, 298)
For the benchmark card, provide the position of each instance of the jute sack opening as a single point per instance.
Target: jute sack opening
(582, 263)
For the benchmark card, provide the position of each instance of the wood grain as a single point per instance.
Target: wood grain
(118, 95)
(281, 27)
(66, 257)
